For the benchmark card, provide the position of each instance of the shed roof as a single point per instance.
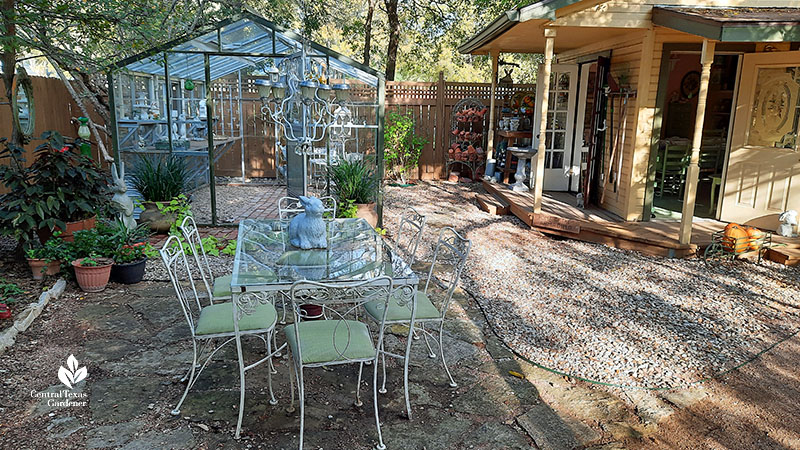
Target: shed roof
(543, 11)
(732, 24)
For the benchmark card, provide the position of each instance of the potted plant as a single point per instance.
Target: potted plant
(9, 294)
(355, 184)
(132, 253)
(41, 264)
(160, 181)
(60, 191)
(402, 147)
(92, 272)
(130, 262)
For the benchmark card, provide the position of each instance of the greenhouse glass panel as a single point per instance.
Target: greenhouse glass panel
(252, 112)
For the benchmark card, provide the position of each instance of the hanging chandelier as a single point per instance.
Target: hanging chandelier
(296, 97)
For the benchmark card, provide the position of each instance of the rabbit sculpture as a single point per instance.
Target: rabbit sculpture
(788, 221)
(307, 229)
(121, 201)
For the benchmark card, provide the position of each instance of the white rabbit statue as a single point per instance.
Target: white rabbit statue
(121, 201)
(307, 229)
(788, 222)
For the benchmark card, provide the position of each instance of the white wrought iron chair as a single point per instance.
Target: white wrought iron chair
(409, 233)
(251, 314)
(220, 287)
(451, 252)
(335, 341)
(289, 207)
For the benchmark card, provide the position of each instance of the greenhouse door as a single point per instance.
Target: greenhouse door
(560, 125)
(763, 177)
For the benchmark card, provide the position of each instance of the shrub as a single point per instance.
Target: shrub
(402, 147)
(60, 186)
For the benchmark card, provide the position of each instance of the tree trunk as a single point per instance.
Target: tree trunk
(368, 31)
(394, 38)
(10, 62)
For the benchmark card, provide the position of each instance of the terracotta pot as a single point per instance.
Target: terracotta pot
(93, 278)
(367, 212)
(130, 273)
(67, 235)
(42, 267)
(159, 222)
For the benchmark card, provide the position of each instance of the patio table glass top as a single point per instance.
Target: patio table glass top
(265, 259)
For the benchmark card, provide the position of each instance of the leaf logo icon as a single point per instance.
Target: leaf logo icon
(72, 375)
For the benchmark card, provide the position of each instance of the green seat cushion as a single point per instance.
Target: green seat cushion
(425, 309)
(317, 339)
(222, 286)
(218, 318)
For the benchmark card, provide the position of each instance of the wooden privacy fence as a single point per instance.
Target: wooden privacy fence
(431, 104)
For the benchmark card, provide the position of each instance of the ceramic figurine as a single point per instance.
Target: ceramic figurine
(307, 229)
(121, 201)
(788, 222)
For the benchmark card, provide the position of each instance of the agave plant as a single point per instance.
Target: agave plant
(159, 179)
(353, 182)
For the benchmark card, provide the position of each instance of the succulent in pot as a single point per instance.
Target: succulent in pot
(160, 180)
(92, 272)
(355, 185)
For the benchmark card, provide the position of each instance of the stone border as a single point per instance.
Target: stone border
(26, 318)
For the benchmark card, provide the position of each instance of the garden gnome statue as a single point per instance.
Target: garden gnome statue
(307, 229)
(121, 201)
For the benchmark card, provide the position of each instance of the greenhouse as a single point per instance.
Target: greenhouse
(247, 100)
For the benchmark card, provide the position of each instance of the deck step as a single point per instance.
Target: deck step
(784, 255)
(492, 204)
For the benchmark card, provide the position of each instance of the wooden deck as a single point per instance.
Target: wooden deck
(561, 217)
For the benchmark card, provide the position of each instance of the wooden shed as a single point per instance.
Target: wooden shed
(670, 112)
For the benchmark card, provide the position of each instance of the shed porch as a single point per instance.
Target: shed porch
(561, 217)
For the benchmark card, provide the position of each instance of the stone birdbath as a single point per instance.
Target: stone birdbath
(523, 154)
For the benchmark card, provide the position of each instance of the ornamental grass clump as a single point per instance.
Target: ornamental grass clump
(159, 179)
(353, 182)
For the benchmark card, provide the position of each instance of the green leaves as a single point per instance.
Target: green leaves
(60, 186)
(402, 147)
(159, 179)
(353, 181)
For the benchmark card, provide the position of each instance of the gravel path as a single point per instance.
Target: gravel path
(606, 314)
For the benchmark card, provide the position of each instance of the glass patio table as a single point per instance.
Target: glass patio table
(266, 261)
(267, 265)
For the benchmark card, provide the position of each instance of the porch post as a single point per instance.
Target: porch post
(692, 173)
(492, 93)
(544, 77)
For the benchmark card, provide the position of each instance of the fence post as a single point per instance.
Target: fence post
(440, 142)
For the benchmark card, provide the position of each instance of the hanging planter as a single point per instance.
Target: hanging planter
(188, 85)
